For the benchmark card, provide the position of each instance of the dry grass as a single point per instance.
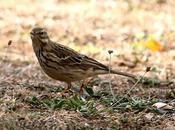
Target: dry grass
(28, 98)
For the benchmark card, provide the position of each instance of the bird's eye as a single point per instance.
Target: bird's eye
(41, 33)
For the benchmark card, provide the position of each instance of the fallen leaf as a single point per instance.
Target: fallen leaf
(153, 44)
(162, 105)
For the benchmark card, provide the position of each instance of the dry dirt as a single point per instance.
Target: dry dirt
(29, 99)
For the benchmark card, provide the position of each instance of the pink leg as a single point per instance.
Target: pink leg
(84, 84)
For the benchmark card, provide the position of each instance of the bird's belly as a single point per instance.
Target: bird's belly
(66, 75)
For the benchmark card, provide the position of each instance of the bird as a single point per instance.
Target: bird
(65, 64)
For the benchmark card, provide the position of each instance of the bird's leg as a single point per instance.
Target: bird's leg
(84, 84)
(66, 89)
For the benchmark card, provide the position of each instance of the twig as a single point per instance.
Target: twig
(141, 77)
(6, 51)
(112, 92)
(5, 56)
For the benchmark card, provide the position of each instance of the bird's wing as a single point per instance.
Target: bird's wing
(62, 51)
(68, 56)
(83, 62)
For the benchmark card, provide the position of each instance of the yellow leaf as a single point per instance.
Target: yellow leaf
(153, 45)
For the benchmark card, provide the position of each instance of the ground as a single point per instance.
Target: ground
(141, 34)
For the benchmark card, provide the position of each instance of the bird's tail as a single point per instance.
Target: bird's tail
(123, 74)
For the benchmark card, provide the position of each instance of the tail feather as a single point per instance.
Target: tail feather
(123, 74)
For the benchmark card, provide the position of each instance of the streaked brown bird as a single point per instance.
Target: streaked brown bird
(63, 63)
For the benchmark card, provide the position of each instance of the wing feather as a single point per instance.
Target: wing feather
(69, 57)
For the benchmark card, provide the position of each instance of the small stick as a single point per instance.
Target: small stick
(7, 48)
(5, 56)
(112, 92)
(147, 70)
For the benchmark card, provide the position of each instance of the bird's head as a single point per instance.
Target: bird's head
(39, 36)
